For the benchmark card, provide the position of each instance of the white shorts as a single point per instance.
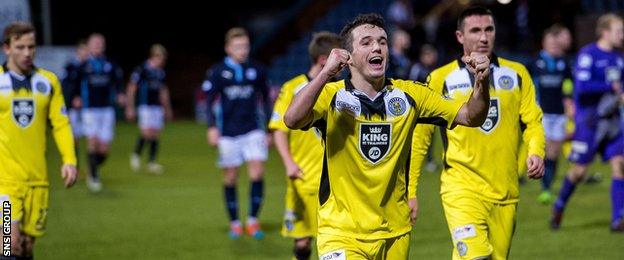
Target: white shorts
(555, 126)
(76, 122)
(151, 117)
(233, 151)
(99, 122)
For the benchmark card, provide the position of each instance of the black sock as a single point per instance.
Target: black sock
(100, 158)
(231, 203)
(302, 253)
(153, 149)
(139, 145)
(257, 192)
(24, 258)
(93, 164)
(77, 154)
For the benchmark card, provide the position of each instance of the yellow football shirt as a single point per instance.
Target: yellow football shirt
(27, 104)
(363, 190)
(483, 160)
(306, 147)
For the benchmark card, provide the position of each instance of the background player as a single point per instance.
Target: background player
(302, 153)
(33, 98)
(70, 90)
(550, 72)
(153, 105)
(479, 194)
(100, 81)
(239, 134)
(597, 91)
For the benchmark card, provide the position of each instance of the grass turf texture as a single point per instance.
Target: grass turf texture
(180, 214)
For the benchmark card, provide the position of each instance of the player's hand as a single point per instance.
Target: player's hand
(130, 114)
(168, 115)
(213, 135)
(337, 60)
(69, 173)
(293, 171)
(535, 167)
(413, 205)
(617, 87)
(77, 102)
(479, 65)
(121, 100)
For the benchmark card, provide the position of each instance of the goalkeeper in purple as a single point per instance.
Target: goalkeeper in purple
(597, 97)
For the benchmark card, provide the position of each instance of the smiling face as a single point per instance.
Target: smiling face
(369, 51)
(477, 34)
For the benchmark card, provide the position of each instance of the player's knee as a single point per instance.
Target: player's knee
(256, 170)
(617, 167)
(303, 243)
(229, 177)
(577, 173)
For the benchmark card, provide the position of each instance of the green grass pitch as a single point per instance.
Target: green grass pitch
(180, 214)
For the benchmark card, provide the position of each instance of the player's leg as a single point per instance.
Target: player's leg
(583, 151)
(303, 248)
(155, 123)
(255, 152)
(135, 157)
(35, 217)
(554, 126)
(397, 248)
(466, 217)
(300, 219)
(613, 153)
(502, 223)
(13, 194)
(91, 125)
(230, 160)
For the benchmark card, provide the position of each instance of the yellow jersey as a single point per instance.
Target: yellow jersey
(27, 104)
(306, 147)
(483, 160)
(363, 189)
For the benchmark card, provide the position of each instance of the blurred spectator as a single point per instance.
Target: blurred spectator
(399, 62)
(401, 15)
(427, 62)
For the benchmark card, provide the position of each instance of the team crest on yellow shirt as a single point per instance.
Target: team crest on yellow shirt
(505, 82)
(23, 111)
(493, 116)
(396, 106)
(375, 141)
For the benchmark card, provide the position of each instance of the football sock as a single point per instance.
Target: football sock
(93, 165)
(257, 191)
(153, 149)
(231, 203)
(302, 253)
(139, 145)
(564, 194)
(549, 173)
(617, 199)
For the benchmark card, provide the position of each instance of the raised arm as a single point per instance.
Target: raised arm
(299, 113)
(474, 112)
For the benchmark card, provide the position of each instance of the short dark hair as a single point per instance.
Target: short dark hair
(470, 11)
(554, 30)
(322, 43)
(16, 29)
(371, 18)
